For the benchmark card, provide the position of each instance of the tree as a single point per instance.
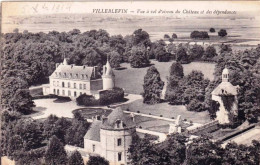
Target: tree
(153, 86)
(176, 69)
(212, 30)
(75, 159)
(202, 151)
(175, 146)
(224, 48)
(181, 55)
(141, 37)
(174, 35)
(55, 153)
(114, 59)
(222, 33)
(160, 52)
(22, 102)
(196, 52)
(199, 35)
(210, 53)
(139, 57)
(15, 144)
(166, 37)
(97, 160)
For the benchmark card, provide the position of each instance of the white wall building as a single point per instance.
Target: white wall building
(225, 89)
(111, 137)
(72, 81)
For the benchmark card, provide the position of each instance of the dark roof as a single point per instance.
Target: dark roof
(116, 115)
(225, 88)
(75, 71)
(94, 131)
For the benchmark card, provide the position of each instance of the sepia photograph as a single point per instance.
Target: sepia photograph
(130, 83)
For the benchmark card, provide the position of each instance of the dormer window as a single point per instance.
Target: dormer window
(118, 123)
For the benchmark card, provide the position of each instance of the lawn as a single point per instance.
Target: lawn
(131, 79)
(168, 111)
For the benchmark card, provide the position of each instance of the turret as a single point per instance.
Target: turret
(225, 75)
(65, 62)
(108, 77)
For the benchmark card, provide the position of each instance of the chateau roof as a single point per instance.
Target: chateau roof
(72, 71)
(94, 131)
(108, 71)
(116, 115)
(225, 88)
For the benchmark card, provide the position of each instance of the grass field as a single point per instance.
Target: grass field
(131, 79)
(168, 111)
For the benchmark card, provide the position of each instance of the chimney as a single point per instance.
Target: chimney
(57, 64)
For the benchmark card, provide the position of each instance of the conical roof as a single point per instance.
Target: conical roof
(115, 116)
(109, 70)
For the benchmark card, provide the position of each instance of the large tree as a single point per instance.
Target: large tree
(55, 153)
(139, 57)
(75, 159)
(153, 86)
(176, 69)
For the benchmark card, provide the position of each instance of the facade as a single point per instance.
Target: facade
(225, 93)
(111, 136)
(72, 81)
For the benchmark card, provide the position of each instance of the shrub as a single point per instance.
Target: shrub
(86, 100)
(174, 35)
(75, 159)
(222, 33)
(212, 30)
(97, 160)
(111, 96)
(161, 115)
(138, 111)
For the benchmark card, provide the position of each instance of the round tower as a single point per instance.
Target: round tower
(108, 77)
(116, 135)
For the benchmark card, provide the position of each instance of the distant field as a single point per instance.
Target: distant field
(131, 79)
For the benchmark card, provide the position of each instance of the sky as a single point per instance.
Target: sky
(29, 8)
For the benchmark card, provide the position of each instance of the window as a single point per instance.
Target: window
(76, 76)
(65, 75)
(56, 74)
(80, 93)
(57, 83)
(70, 75)
(80, 86)
(119, 156)
(118, 124)
(54, 83)
(75, 86)
(75, 94)
(54, 91)
(60, 74)
(58, 92)
(84, 86)
(82, 76)
(119, 142)
(69, 93)
(63, 92)
(63, 85)
(93, 147)
(68, 84)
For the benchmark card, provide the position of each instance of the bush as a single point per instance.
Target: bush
(86, 100)
(212, 30)
(138, 111)
(97, 160)
(161, 115)
(111, 96)
(222, 33)
(174, 35)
